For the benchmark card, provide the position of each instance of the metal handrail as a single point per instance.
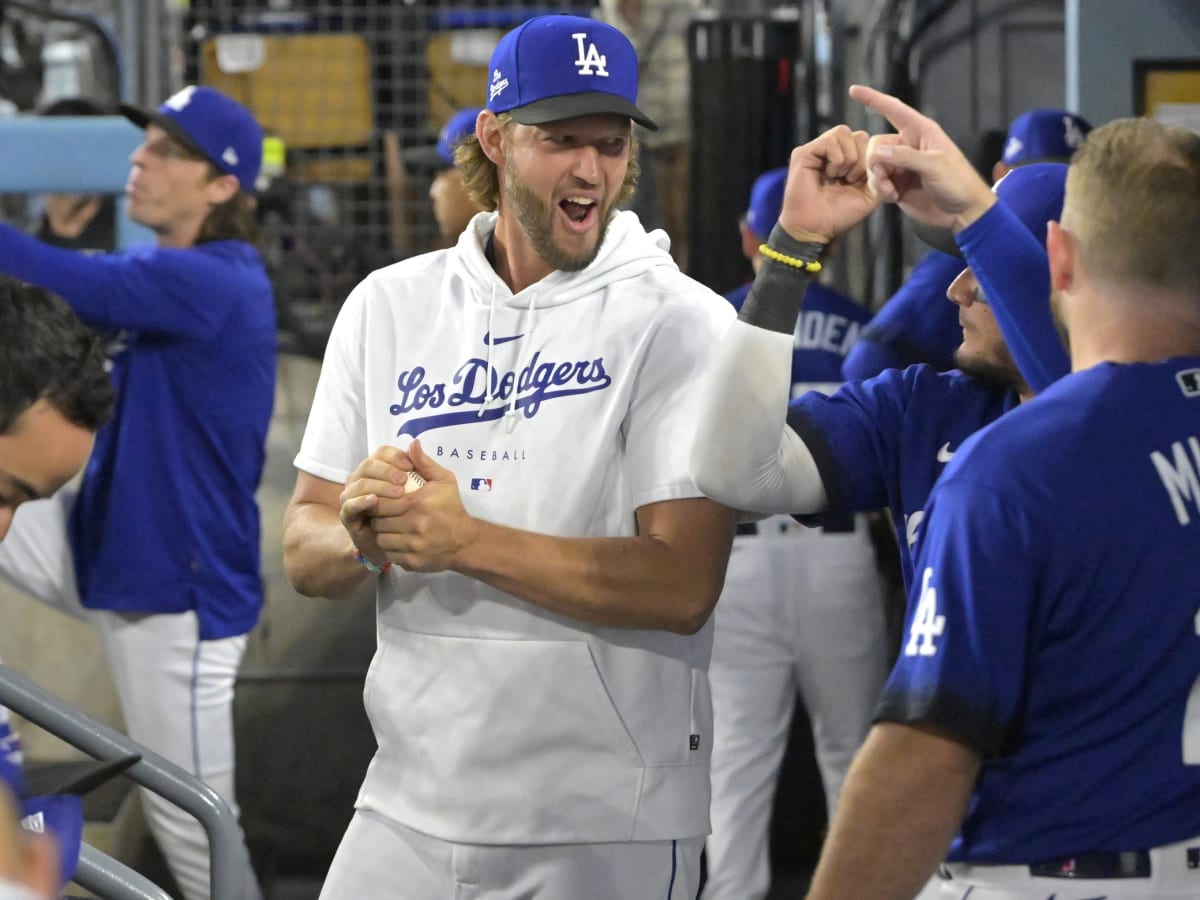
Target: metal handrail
(106, 877)
(227, 859)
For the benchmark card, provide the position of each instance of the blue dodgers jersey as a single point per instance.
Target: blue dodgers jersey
(884, 441)
(918, 324)
(1057, 625)
(828, 327)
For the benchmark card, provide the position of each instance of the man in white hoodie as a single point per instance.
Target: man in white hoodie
(539, 694)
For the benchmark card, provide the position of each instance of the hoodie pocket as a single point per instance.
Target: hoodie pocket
(522, 729)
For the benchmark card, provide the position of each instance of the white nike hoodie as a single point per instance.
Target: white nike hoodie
(561, 410)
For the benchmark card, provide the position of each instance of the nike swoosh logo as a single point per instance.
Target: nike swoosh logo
(496, 342)
(945, 454)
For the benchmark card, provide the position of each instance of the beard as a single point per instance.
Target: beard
(537, 222)
(1000, 370)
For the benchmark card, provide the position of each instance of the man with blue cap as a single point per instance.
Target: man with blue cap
(1038, 736)
(885, 441)
(499, 442)
(161, 545)
(452, 206)
(915, 325)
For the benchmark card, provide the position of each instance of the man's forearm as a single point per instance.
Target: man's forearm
(744, 454)
(902, 803)
(318, 556)
(666, 578)
(1014, 272)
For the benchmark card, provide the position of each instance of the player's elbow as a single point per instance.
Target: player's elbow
(299, 574)
(694, 607)
(691, 624)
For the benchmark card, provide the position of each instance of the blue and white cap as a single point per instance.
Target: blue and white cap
(441, 154)
(1033, 192)
(211, 125)
(558, 67)
(1044, 135)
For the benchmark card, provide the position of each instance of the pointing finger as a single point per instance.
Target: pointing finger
(895, 110)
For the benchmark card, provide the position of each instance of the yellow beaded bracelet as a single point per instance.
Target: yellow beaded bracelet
(773, 254)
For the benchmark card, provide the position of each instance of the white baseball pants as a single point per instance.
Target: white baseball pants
(176, 691)
(802, 610)
(383, 860)
(1172, 875)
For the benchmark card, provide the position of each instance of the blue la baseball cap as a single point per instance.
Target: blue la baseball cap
(1044, 135)
(557, 67)
(766, 201)
(211, 125)
(1034, 192)
(441, 154)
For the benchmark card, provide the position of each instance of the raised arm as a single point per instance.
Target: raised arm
(1014, 271)
(923, 171)
(149, 290)
(744, 454)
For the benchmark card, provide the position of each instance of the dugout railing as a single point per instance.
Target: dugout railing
(96, 871)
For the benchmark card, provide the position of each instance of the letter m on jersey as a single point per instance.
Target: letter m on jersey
(927, 624)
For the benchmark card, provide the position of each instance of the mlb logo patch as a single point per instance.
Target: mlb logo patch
(481, 484)
(1189, 382)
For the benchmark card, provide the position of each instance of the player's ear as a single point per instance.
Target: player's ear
(490, 132)
(1061, 249)
(222, 188)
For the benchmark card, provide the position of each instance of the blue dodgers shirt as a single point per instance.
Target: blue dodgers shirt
(166, 520)
(1056, 625)
(884, 441)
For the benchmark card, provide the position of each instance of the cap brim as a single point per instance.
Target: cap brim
(938, 238)
(570, 106)
(424, 158)
(143, 117)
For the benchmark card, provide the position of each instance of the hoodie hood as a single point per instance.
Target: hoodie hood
(628, 251)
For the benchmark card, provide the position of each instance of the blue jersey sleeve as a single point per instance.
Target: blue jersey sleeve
(1012, 268)
(854, 437)
(964, 653)
(184, 292)
(917, 323)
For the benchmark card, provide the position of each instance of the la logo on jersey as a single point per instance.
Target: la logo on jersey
(927, 624)
(590, 60)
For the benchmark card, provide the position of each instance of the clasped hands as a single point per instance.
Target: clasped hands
(418, 530)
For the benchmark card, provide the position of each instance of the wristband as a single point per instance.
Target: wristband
(370, 566)
(805, 253)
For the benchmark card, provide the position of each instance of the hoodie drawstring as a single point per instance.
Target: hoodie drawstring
(510, 415)
(487, 368)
